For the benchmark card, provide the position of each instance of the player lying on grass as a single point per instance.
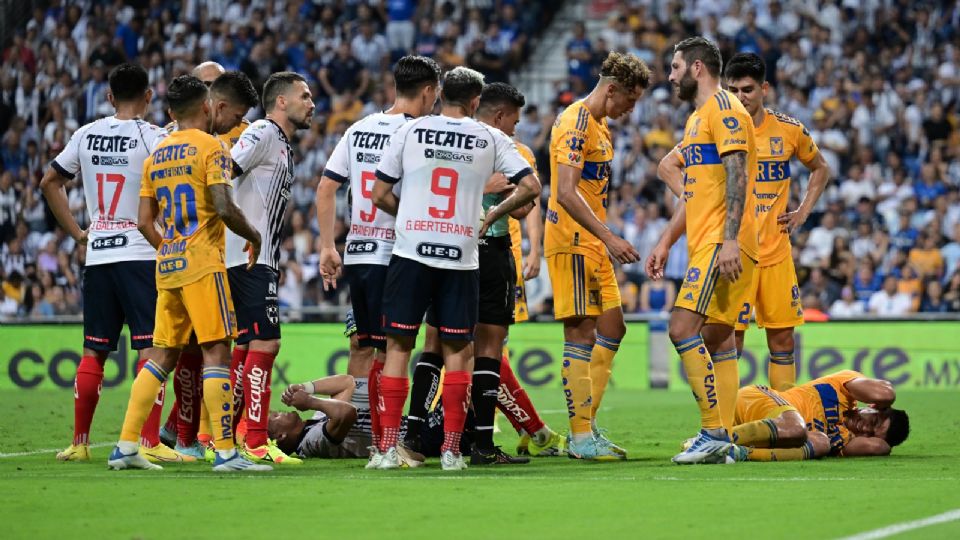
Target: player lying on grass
(819, 418)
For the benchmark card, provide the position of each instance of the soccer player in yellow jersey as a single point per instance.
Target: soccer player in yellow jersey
(720, 159)
(528, 268)
(187, 182)
(579, 247)
(819, 418)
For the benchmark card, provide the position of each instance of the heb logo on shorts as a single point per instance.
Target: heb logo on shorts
(109, 242)
(439, 251)
(361, 247)
(173, 265)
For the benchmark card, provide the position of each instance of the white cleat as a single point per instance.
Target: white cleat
(391, 459)
(237, 463)
(119, 461)
(452, 462)
(706, 449)
(375, 458)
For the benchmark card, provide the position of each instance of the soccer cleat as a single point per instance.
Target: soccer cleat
(706, 449)
(391, 459)
(590, 449)
(195, 450)
(555, 446)
(688, 443)
(168, 437)
(236, 463)
(162, 453)
(375, 458)
(601, 436)
(119, 461)
(523, 445)
(269, 453)
(495, 457)
(737, 453)
(452, 462)
(409, 456)
(75, 452)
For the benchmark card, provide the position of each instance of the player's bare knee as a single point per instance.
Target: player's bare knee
(791, 430)
(780, 339)
(580, 330)
(268, 346)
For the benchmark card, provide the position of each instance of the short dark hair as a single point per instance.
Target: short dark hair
(185, 93)
(746, 64)
(626, 69)
(460, 85)
(128, 82)
(412, 73)
(235, 87)
(702, 49)
(899, 428)
(276, 85)
(498, 94)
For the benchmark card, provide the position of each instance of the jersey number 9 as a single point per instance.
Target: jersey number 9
(449, 191)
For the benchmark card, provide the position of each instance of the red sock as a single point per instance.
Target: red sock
(86, 395)
(514, 402)
(171, 423)
(374, 398)
(256, 394)
(456, 401)
(236, 382)
(188, 387)
(150, 433)
(393, 394)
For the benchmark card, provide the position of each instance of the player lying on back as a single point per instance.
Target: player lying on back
(819, 418)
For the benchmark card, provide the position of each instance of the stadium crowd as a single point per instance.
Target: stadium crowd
(876, 83)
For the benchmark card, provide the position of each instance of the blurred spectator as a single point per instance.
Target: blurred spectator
(657, 296)
(952, 294)
(847, 305)
(888, 302)
(926, 257)
(933, 300)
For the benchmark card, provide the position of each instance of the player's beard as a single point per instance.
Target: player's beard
(687, 87)
(303, 123)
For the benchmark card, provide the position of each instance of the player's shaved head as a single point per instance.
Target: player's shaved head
(461, 85)
(185, 95)
(208, 71)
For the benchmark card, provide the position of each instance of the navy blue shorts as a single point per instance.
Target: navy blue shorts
(366, 296)
(115, 293)
(449, 298)
(255, 302)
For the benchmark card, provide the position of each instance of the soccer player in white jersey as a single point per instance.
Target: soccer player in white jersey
(371, 236)
(263, 171)
(118, 280)
(446, 161)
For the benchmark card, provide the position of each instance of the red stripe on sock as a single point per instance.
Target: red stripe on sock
(456, 401)
(257, 370)
(86, 395)
(514, 402)
(393, 392)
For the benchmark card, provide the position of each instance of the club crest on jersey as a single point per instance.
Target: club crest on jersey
(439, 251)
(776, 146)
(695, 129)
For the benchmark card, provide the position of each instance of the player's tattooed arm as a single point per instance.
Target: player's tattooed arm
(234, 219)
(728, 260)
(147, 221)
(527, 190)
(384, 198)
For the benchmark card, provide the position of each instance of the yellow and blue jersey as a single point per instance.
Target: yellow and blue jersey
(822, 403)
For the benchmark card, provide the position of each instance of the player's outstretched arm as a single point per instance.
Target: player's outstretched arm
(728, 261)
(670, 170)
(234, 219)
(657, 260)
(527, 190)
(147, 221)
(331, 265)
(384, 198)
(52, 186)
(534, 221)
(877, 392)
(819, 178)
(572, 202)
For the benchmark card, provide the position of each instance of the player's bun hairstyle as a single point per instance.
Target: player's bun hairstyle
(499, 94)
(899, 428)
(460, 85)
(128, 82)
(277, 85)
(235, 87)
(746, 64)
(412, 73)
(702, 49)
(185, 93)
(626, 69)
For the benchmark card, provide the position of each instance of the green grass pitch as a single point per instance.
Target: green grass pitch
(645, 497)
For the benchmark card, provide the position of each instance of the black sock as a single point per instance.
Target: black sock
(426, 383)
(486, 382)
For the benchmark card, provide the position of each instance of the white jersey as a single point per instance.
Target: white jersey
(109, 154)
(355, 159)
(261, 189)
(444, 164)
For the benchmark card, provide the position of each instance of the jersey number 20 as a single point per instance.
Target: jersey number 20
(180, 210)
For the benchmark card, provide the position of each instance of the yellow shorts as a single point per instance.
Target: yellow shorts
(204, 307)
(705, 292)
(777, 303)
(756, 402)
(582, 287)
(520, 312)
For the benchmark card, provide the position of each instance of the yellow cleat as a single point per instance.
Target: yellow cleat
(555, 445)
(162, 453)
(75, 452)
(269, 453)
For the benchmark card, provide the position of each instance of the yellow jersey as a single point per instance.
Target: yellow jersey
(231, 137)
(177, 175)
(579, 140)
(516, 239)
(822, 403)
(720, 126)
(779, 138)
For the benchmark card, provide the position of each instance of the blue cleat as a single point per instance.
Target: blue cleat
(195, 450)
(590, 449)
(119, 461)
(168, 437)
(706, 449)
(236, 462)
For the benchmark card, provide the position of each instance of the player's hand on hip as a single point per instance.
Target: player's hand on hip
(84, 236)
(791, 221)
(656, 262)
(331, 267)
(622, 251)
(498, 183)
(531, 266)
(253, 252)
(729, 260)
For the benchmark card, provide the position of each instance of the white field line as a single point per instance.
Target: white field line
(897, 528)
(45, 451)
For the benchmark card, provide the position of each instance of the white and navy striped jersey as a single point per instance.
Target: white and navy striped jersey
(444, 164)
(263, 160)
(108, 154)
(355, 160)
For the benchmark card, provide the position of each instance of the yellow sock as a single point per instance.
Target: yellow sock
(781, 454)
(759, 433)
(142, 395)
(577, 386)
(700, 375)
(204, 421)
(783, 371)
(601, 365)
(727, 371)
(218, 397)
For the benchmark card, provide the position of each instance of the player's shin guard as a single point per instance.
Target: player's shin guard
(699, 369)
(456, 401)
(486, 383)
(218, 396)
(601, 365)
(187, 385)
(426, 383)
(727, 372)
(761, 433)
(783, 371)
(514, 402)
(781, 454)
(86, 395)
(256, 394)
(376, 401)
(237, 360)
(150, 433)
(143, 395)
(577, 387)
(393, 391)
